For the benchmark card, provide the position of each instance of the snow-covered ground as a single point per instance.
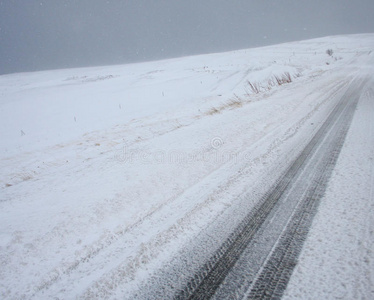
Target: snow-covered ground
(107, 173)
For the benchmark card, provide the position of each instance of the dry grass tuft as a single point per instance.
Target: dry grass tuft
(285, 78)
(213, 111)
(254, 87)
(250, 89)
(234, 103)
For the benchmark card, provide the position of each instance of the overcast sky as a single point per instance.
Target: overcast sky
(50, 34)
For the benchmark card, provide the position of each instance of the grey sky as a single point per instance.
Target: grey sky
(38, 35)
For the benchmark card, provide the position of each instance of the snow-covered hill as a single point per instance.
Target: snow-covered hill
(107, 172)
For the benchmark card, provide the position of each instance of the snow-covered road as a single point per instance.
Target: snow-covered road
(257, 259)
(121, 181)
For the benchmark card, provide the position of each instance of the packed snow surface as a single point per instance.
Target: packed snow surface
(107, 173)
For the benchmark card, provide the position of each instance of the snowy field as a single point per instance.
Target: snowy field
(107, 173)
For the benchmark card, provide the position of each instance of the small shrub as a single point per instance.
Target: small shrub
(329, 52)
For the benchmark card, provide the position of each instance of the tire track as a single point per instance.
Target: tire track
(273, 279)
(322, 151)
